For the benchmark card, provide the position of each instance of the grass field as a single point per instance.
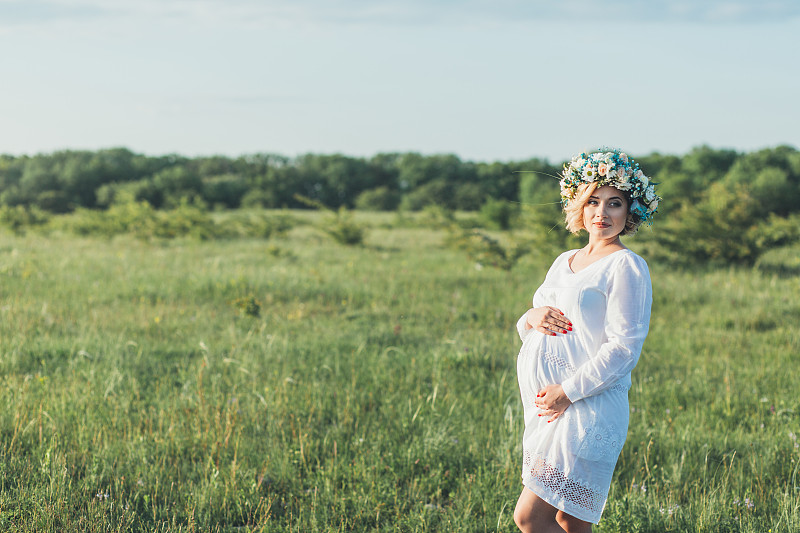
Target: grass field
(299, 385)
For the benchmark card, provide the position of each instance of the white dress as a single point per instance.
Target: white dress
(569, 462)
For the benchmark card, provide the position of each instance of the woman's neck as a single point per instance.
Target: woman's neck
(598, 247)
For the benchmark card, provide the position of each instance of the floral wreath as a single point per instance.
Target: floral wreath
(613, 168)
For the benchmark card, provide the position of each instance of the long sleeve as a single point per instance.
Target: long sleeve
(521, 327)
(629, 298)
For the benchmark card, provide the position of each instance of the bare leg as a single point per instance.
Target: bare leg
(534, 515)
(570, 524)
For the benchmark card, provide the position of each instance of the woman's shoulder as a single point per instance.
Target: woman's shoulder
(630, 262)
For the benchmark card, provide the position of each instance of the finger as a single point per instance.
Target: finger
(553, 329)
(554, 417)
(546, 331)
(559, 322)
(554, 325)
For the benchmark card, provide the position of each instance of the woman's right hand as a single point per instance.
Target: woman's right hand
(548, 320)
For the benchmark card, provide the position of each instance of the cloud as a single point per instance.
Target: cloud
(21, 12)
(399, 12)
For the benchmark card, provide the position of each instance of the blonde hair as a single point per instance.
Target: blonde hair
(574, 210)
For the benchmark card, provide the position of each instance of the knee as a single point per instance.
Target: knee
(570, 524)
(523, 519)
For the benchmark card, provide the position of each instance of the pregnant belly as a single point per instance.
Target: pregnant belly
(539, 365)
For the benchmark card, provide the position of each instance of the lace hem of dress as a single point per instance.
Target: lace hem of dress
(572, 496)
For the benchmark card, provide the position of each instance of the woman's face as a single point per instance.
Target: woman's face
(605, 213)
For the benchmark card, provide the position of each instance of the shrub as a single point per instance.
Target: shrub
(339, 224)
(255, 224)
(498, 214)
(343, 228)
(728, 226)
(19, 217)
(248, 306)
(483, 249)
(378, 199)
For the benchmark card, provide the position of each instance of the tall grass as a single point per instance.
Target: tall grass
(374, 389)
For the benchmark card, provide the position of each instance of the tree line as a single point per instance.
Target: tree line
(64, 181)
(718, 203)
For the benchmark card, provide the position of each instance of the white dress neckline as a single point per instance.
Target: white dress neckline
(569, 260)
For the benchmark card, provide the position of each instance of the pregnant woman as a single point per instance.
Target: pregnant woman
(580, 341)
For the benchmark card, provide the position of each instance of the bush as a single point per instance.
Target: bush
(437, 192)
(483, 249)
(130, 217)
(141, 220)
(226, 191)
(378, 199)
(18, 218)
(258, 198)
(186, 220)
(728, 226)
(260, 225)
(498, 214)
(343, 228)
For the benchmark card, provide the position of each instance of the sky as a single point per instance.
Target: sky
(485, 80)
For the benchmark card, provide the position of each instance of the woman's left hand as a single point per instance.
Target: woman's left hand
(552, 401)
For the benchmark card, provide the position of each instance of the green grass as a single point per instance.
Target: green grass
(299, 385)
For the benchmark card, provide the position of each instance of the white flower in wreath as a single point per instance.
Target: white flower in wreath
(623, 181)
(654, 205)
(650, 194)
(644, 179)
(589, 173)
